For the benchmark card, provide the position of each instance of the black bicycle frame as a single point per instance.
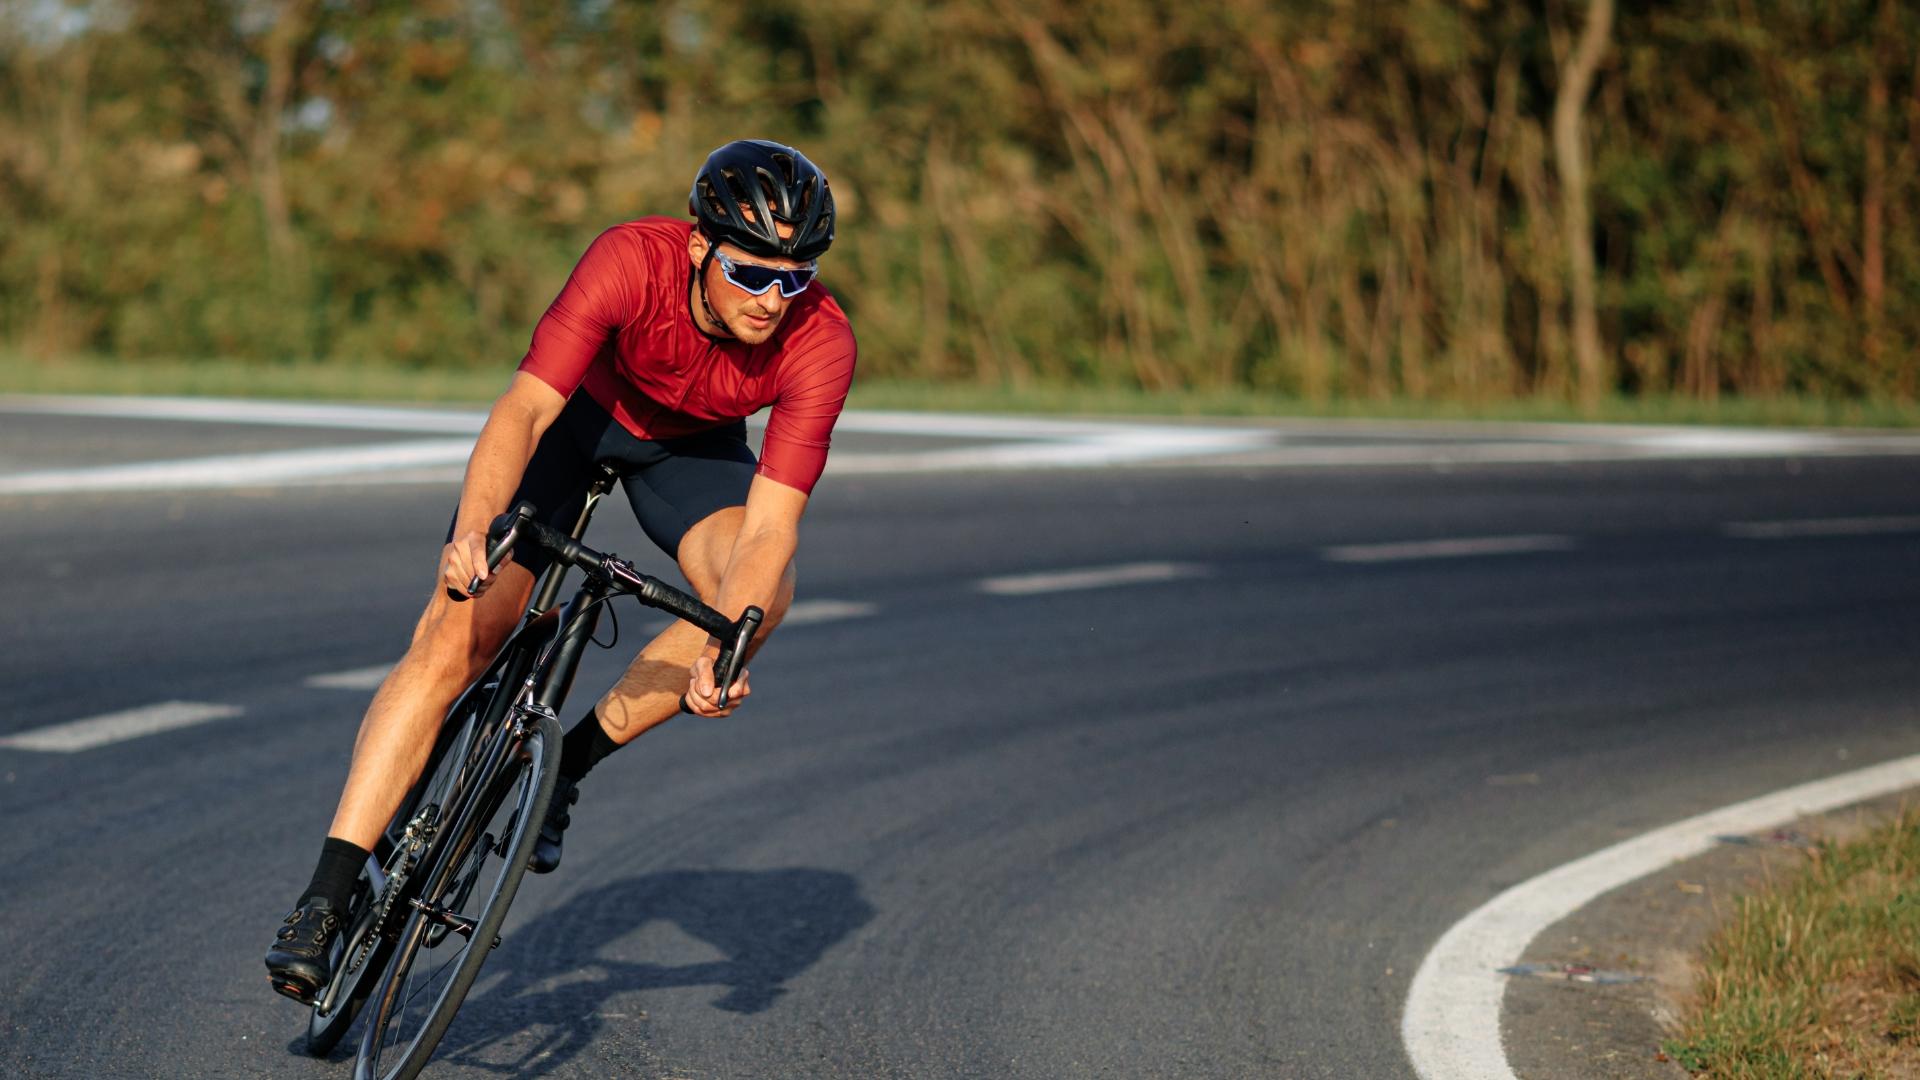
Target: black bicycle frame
(521, 652)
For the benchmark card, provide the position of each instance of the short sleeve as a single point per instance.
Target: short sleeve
(800, 426)
(600, 296)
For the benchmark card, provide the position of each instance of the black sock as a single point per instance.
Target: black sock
(339, 868)
(586, 743)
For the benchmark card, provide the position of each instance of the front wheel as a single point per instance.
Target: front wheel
(357, 959)
(360, 955)
(468, 884)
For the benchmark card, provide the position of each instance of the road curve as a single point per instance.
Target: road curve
(1103, 772)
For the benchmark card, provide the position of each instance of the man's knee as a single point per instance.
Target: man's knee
(705, 552)
(706, 549)
(454, 641)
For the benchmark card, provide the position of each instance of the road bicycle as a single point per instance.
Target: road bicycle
(430, 902)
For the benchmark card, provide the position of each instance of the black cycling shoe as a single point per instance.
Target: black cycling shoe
(297, 962)
(546, 850)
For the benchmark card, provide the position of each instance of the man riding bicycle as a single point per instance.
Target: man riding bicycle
(665, 338)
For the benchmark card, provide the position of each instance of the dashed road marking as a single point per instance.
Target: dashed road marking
(818, 611)
(95, 731)
(1451, 548)
(1849, 526)
(1091, 577)
(1451, 1026)
(366, 678)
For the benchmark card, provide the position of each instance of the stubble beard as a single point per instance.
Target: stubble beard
(745, 332)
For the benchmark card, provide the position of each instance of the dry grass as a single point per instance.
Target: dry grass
(1818, 975)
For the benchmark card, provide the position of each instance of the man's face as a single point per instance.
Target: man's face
(750, 318)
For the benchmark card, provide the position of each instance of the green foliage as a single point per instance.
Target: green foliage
(1332, 199)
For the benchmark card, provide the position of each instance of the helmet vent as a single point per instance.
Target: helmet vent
(748, 187)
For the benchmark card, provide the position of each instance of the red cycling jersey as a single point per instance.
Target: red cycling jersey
(622, 331)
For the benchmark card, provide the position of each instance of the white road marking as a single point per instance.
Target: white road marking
(1092, 577)
(1451, 1026)
(86, 734)
(1011, 443)
(263, 413)
(241, 470)
(366, 678)
(819, 611)
(1452, 548)
(1854, 526)
(1733, 442)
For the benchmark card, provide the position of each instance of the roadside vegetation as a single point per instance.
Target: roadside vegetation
(1818, 975)
(398, 384)
(1354, 206)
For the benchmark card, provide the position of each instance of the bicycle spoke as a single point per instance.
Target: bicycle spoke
(458, 905)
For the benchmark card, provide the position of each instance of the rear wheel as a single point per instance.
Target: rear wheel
(468, 880)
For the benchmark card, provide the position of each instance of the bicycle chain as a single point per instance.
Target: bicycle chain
(406, 857)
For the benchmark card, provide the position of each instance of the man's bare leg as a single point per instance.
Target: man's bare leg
(452, 644)
(648, 694)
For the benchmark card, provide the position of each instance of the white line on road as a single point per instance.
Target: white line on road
(240, 470)
(819, 611)
(1007, 443)
(1451, 1026)
(263, 413)
(1092, 577)
(86, 734)
(366, 678)
(1854, 526)
(1452, 548)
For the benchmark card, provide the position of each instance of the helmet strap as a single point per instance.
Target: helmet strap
(700, 279)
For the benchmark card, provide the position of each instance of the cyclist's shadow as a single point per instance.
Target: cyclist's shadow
(770, 925)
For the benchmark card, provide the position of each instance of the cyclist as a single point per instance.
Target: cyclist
(665, 338)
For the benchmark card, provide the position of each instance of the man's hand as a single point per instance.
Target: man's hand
(463, 560)
(703, 696)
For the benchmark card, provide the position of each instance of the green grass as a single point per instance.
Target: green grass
(392, 383)
(1817, 976)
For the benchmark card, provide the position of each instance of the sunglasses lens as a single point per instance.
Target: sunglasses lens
(758, 279)
(796, 282)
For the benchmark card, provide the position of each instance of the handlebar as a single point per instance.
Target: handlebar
(519, 526)
(500, 540)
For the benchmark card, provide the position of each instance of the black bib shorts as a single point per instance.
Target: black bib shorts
(672, 484)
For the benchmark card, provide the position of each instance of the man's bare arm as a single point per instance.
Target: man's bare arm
(494, 470)
(769, 535)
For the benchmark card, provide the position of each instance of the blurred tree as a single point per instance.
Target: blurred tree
(1414, 198)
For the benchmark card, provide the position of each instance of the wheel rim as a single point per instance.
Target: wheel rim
(430, 962)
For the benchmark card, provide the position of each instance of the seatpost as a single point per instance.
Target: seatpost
(549, 589)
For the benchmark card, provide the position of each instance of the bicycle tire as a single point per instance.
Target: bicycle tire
(335, 1009)
(399, 1040)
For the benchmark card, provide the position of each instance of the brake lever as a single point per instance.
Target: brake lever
(497, 549)
(734, 653)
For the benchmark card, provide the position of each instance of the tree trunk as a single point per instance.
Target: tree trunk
(1873, 201)
(1570, 152)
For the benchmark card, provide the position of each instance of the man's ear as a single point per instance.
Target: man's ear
(696, 247)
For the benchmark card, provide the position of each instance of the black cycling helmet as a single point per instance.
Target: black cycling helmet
(779, 184)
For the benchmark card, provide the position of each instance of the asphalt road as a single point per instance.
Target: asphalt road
(1199, 826)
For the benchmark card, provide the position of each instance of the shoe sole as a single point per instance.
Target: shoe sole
(298, 991)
